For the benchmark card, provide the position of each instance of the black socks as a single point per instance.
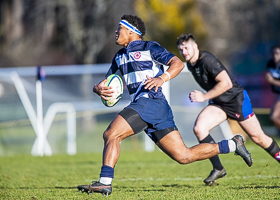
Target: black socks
(274, 151)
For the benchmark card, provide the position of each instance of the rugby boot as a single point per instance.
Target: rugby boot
(96, 187)
(214, 175)
(241, 150)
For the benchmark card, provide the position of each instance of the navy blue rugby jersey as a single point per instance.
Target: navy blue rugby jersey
(275, 72)
(205, 71)
(137, 61)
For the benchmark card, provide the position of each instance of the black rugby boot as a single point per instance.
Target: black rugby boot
(96, 187)
(241, 150)
(214, 175)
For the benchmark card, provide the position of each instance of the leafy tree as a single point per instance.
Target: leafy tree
(56, 32)
(167, 19)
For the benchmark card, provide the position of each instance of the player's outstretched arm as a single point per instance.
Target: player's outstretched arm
(175, 67)
(103, 91)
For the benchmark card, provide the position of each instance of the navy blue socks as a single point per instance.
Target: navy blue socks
(107, 171)
(223, 147)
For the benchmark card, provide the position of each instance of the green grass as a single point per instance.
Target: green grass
(138, 175)
(19, 138)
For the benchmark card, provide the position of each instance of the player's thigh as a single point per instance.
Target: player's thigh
(210, 117)
(118, 128)
(251, 126)
(173, 145)
(127, 123)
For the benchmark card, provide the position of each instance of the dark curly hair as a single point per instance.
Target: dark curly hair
(184, 38)
(137, 22)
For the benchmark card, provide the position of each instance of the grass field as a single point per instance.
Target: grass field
(138, 175)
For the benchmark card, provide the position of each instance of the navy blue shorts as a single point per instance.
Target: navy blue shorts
(154, 116)
(239, 110)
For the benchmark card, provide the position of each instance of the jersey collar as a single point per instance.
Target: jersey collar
(134, 43)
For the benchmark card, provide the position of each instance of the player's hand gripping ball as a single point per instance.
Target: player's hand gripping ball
(116, 83)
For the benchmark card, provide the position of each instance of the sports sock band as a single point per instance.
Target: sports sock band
(215, 160)
(107, 171)
(223, 147)
(274, 150)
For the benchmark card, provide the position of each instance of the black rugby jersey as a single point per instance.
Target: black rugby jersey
(205, 71)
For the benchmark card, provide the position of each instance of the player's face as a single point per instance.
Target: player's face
(276, 55)
(122, 36)
(187, 50)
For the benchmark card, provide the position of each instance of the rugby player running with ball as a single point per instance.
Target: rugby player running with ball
(141, 65)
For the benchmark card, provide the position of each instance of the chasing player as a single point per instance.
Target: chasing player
(227, 99)
(141, 65)
(273, 78)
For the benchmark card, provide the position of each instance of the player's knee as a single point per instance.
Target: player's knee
(181, 159)
(198, 130)
(112, 136)
(108, 135)
(184, 161)
(195, 129)
(105, 136)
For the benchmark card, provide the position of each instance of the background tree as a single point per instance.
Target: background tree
(167, 20)
(241, 33)
(57, 32)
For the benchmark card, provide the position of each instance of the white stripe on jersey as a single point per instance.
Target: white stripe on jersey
(139, 76)
(142, 94)
(140, 56)
(121, 59)
(134, 56)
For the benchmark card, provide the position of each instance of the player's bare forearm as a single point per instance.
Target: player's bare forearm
(223, 84)
(175, 67)
(198, 96)
(220, 88)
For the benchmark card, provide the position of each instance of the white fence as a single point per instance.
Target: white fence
(68, 89)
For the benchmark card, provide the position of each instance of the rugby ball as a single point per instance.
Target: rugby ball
(116, 83)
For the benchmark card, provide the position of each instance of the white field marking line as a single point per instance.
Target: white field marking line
(187, 179)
